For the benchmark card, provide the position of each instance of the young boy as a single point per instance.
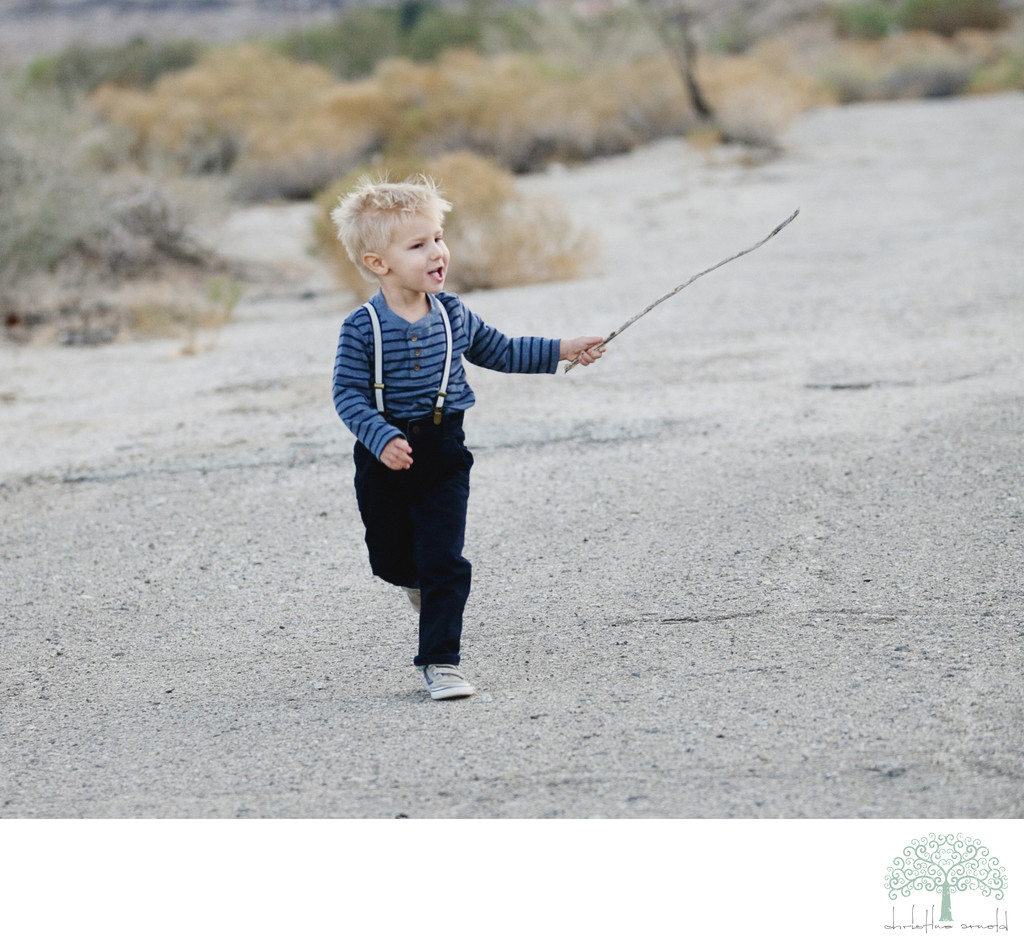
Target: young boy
(400, 387)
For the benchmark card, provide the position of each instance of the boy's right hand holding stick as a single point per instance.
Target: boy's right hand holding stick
(580, 350)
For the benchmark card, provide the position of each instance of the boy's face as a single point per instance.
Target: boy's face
(416, 259)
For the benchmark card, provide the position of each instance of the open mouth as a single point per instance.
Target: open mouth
(437, 274)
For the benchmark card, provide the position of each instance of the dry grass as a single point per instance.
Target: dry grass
(497, 237)
(916, 65)
(72, 215)
(949, 17)
(79, 235)
(756, 96)
(524, 113)
(185, 305)
(286, 128)
(184, 312)
(248, 108)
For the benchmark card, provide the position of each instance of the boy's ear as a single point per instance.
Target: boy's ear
(374, 262)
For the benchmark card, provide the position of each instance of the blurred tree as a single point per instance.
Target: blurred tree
(674, 22)
(410, 12)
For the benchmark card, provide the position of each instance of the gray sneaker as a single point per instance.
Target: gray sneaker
(446, 681)
(414, 597)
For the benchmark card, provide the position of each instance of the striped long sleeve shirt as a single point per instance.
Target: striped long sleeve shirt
(413, 359)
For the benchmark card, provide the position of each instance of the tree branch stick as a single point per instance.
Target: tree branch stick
(689, 281)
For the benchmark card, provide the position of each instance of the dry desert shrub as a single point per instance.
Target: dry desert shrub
(874, 19)
(863, 20)
(81, 68)
(497, 237)
(755, 96)
(524, 112)
(183, 311)
(286, 129)
(948, 17)
(252, 110)
(354, 43)
(85, 255)
(913, 65)
(76, 235)
(61, 209)
(1006, 72)
(331, 132)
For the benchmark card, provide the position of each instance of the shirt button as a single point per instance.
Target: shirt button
(418, 352)
(416, 367)
(414, 338)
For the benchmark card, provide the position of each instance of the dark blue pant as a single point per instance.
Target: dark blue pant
(416, 527)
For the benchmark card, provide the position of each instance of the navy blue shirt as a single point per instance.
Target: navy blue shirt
(414, 363)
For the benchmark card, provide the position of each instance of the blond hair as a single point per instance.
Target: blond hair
(366, 216)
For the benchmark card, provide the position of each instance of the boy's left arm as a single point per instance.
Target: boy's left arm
(584, 349)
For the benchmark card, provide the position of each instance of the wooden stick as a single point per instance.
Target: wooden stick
(689, 281)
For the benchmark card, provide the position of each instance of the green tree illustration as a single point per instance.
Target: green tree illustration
(945, 863)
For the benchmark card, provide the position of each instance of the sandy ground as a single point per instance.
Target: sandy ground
(764, 560)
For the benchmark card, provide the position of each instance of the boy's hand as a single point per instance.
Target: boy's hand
(582, 349)
(397, 454)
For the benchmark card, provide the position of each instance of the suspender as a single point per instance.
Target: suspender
(378, 358)
(378, 362)
(443, 391)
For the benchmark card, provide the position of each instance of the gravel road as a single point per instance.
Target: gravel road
(763, 561)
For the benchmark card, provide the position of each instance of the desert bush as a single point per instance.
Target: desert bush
(734, 38)
(915, 65)
(349, 47)
(523, 112)
(72, 232)
(873, 20)
(947, 17)
(755, 96)
(58, 208)
(851, 80)
(935, 79)
(1004, 73)
(81, 69)
(426, 30)
(61, 218)
(497, 237)
(863, 20)
(194, 316)
(362, 37)
(287, 129)
(255, 111)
